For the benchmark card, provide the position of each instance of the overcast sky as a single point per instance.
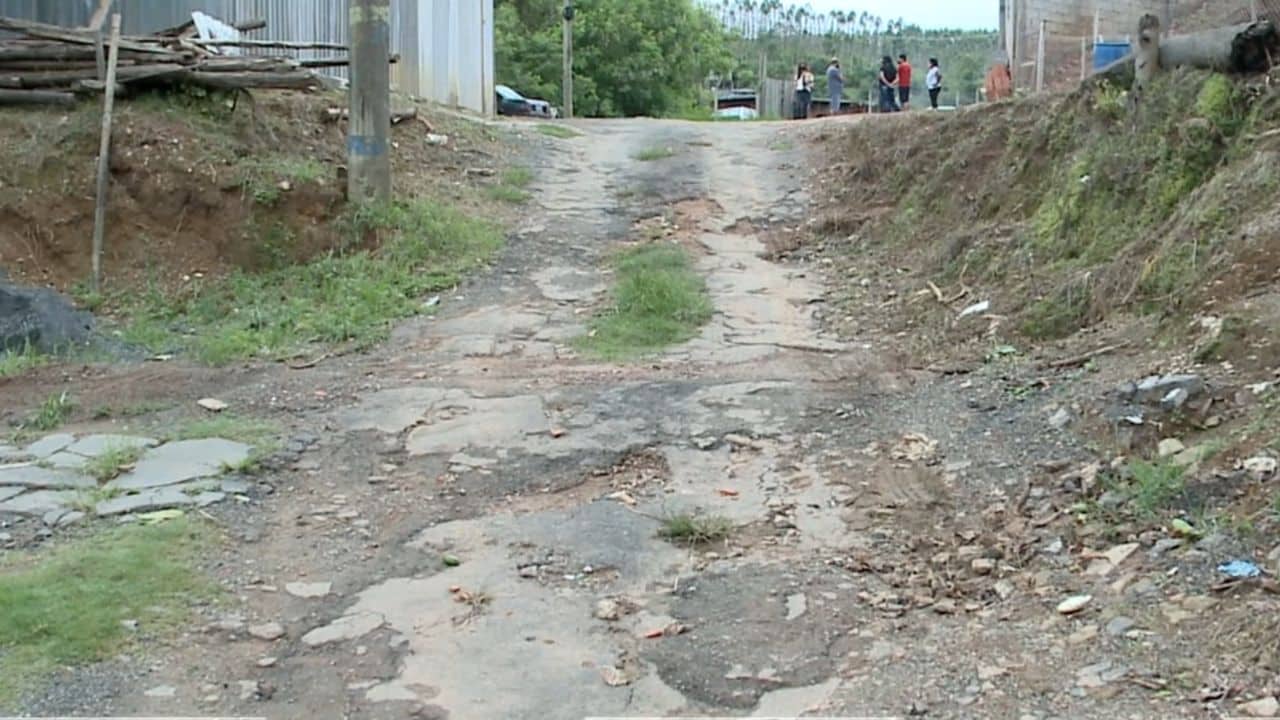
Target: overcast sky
(966, 14)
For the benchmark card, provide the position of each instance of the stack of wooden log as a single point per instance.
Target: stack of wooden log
(49, 64)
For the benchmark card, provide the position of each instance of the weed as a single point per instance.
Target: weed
(258, 433)
(345, 297)
(562, 132)
(654, 153)
(659, 300)
(18, 362)
(112, 461)
(511, 187)
(264, 178)
(1155, 485)
(69, 607)
(695, 529)
(53, 412)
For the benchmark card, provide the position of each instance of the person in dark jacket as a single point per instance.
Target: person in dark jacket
(888, 81)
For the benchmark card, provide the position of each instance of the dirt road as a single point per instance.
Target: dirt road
(477, 533)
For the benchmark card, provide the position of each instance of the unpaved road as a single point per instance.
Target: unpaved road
(484, 507)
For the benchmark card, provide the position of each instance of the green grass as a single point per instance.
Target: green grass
(654, 153)
(113, 461)
(349, 297)
(18, 362)
(659, 300)
(51, 414)
(106, 412)
(695, 529)
(260, 178)
(1155, 486)
(561, 132)
(250, 431)
(67, 607)
(511, 186)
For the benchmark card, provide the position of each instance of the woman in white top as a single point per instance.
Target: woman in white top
(933, 81)
(804, 91)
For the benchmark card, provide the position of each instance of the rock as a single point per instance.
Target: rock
(1263, 708)
(983, 566)
(347, 627)
(529, 571)
(975, 309)
(1100, 674)
(235, 487)
(179, 462)
(161, 691)
(48, 445)
(737, 440)
(1169, 447)
(945, 607)
(266, 662)
(94, 445)
(1004, 589)
(39, 502)
(34, 477)
(1053, 547)
(270, 631)
(437, 139)
(1157, 388)
(1261, 467)
(71, 518)
(1175, 399)
(308, 590)
(52, 517)
(212, 404)
(1164, 545)
(1060, 419)
(1119, 625)
(158, 499)
(797, 605)
(608, 610)
(990, 672)
(40, 319)
(248, 690)
(1074, 604)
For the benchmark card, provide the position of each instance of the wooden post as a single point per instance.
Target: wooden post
(1146, 60)
(368, 157)
(104, 152)
(1044, 25)
(1253, 10)
(568, 58)
(1084, 58)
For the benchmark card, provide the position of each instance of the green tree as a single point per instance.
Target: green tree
(631, 57)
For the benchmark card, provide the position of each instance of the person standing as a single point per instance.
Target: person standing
(904, 81)
(933, 82)
(835, 83)
(888, 81)
(804, 91)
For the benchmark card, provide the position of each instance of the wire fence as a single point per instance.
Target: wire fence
(1075, 38)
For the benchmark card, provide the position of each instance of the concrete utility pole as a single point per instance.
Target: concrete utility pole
(368, 159)
(1044, 25)
(568, 58)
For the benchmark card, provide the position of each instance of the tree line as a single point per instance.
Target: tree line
(663, 57)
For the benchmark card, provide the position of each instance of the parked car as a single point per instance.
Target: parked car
(511, 102)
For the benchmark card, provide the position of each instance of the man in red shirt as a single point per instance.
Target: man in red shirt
(904, 81)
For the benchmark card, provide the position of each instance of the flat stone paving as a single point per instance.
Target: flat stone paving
(48, 478)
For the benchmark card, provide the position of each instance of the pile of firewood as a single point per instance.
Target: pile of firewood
(49, 64)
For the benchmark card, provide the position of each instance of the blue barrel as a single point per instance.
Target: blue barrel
(1105, 53)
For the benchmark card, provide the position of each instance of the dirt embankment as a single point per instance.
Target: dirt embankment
(1071, 213)
(202, 184)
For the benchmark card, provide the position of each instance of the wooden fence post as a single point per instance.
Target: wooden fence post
(104, 152)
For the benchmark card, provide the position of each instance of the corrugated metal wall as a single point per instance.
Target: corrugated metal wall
(445, 46)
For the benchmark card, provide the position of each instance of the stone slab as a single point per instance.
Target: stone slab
(179, 462)
(39, 478)
(157, 499)
(48, 445)
(65, 460)
(38, 502)
(95, 445)
(8, 492)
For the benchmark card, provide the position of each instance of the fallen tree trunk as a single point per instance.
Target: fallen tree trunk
(1247, 48)
(36, 97)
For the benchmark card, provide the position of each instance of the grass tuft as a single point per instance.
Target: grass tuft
(346, 297)
(561, 132)
(695, 529)
(659, 300)
(511, 186)
(1155, 486)
(258, 433)
(19, 362)
(113, 461)
(69, 607)
(51, 414)
(654, 153)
